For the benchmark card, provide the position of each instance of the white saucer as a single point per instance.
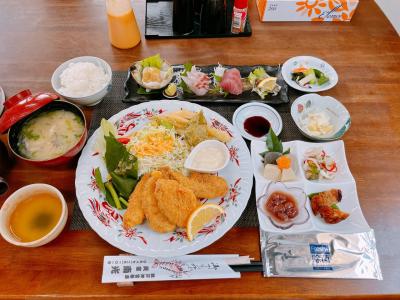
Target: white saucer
(256, 109)
(312, 62)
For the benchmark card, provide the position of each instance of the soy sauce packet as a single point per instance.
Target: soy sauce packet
(320, 255)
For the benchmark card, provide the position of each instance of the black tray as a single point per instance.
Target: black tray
(158, 22)
(131, 87)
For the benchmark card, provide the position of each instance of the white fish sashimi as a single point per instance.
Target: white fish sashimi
(198, 82)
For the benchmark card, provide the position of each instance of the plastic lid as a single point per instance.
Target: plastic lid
(240, 4)
(21, 105)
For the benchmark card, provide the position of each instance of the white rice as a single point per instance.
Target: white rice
(82, 79)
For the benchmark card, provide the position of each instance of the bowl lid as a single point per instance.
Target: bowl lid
(21, 105)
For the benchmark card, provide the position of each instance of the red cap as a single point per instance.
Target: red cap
(21, 105)
(240, 4)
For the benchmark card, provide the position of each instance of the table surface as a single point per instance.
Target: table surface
(36, 36)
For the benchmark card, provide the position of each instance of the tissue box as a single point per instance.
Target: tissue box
(306, 10)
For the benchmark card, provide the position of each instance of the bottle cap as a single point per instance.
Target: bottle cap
(240, 4)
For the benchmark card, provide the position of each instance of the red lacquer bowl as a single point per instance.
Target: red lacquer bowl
(28, 106)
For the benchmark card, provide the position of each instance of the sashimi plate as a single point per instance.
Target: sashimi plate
(141, 240)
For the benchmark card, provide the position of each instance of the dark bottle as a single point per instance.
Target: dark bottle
(213, 16)
(183, 16)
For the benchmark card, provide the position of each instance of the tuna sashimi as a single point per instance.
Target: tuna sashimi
(232, 82)
(198, 82)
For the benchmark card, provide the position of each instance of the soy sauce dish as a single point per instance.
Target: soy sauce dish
(42, 129)
(254, 119)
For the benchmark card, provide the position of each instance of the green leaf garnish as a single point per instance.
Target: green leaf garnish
(99, 180)
(152, 61)
(188, 67)
(312, 195)
(273, 142)
(334, 206)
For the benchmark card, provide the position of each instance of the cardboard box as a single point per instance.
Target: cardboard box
(306, 10)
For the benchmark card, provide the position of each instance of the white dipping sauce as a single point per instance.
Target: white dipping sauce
(208, 158)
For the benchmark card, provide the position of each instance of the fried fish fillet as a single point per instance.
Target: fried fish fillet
(203, 185)
(175, 201)
(134, 215)
(207, 185)
(157, 220)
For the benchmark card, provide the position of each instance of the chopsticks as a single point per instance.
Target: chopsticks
(253, 266)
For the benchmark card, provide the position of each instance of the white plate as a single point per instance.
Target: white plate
(343, 181)
(141, 240)
(336, 111)
(256, 109)
(311, 62)
(2, 99)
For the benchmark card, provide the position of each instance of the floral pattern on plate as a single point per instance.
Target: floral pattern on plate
(141, 240)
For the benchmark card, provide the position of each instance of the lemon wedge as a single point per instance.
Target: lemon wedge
(200, 217)
(267, 84)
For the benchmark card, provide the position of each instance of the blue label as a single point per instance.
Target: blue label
(321, 256)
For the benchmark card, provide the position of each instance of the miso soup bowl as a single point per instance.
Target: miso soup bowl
(15, 129)
(20, 195)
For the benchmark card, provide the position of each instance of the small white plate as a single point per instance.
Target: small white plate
(337, 112)
(2, 99)
(256, 109)
(311, 62)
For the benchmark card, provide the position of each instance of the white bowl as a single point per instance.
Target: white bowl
(311, 62)
(88, 100)
(337, 112)
(20, 195)
(207, 143)
(256, 109)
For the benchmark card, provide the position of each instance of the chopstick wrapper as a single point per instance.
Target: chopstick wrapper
(189, 267)
(320, 255)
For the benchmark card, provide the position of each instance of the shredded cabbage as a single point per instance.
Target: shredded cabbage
(174, 158)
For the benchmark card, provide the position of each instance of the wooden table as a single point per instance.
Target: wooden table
(36, 36)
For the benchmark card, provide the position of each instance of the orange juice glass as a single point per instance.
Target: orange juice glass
(122, 27)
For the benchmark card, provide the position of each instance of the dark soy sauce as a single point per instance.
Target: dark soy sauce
(257, 126)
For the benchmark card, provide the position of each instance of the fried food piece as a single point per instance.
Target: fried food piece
(175, 201)
(327, 198)
(203, 185)
(220, 135)
(207, 185)
(332, 215)
(324, 204)
(134, 215)
(157, 221)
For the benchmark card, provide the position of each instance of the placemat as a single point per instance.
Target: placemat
(113, 104)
